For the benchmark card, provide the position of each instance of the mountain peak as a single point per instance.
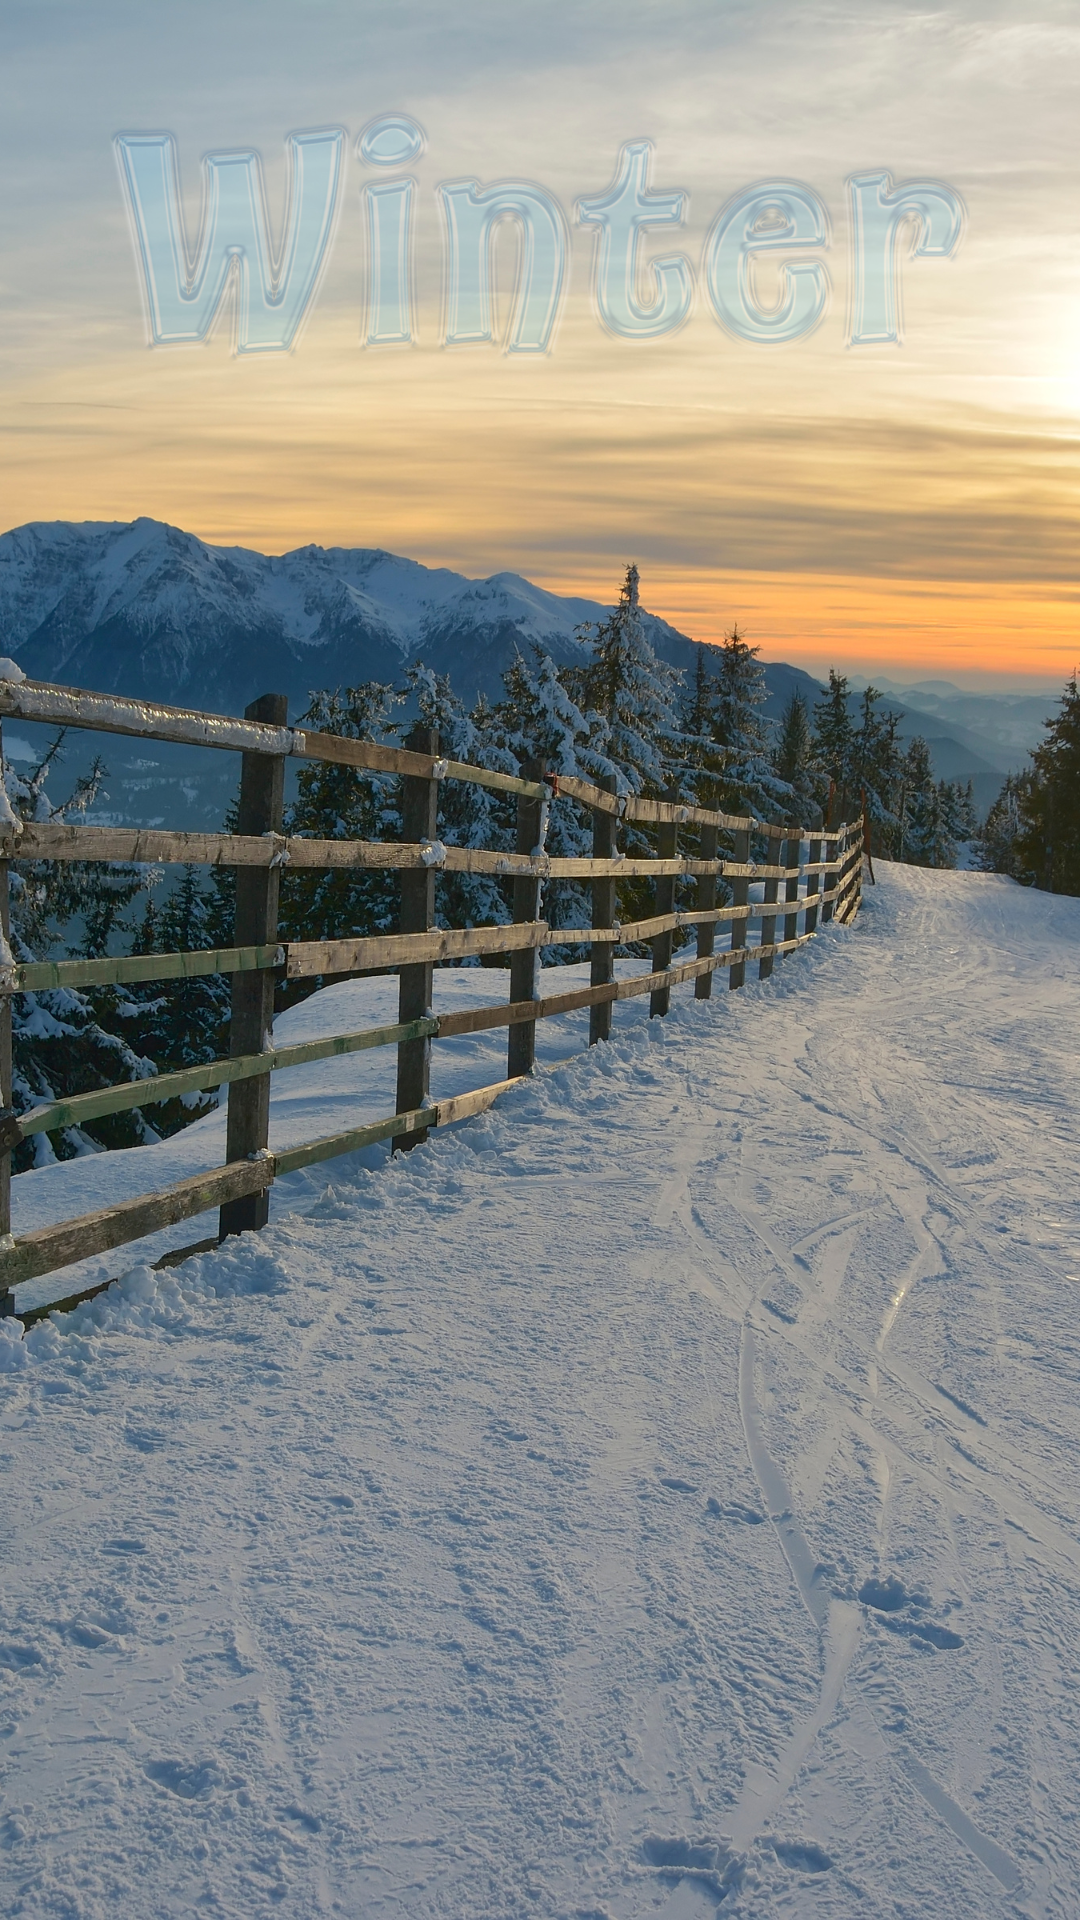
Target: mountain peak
(147, 608)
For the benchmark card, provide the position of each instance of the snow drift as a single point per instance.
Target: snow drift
(658, 1495)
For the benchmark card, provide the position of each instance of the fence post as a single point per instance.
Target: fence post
(857, 858)
(262, 802)
(773, 858)
(867, 848)
(831, 879)
(521, 1040)
(790, 857)
(667, 846)
(706, 899)
(419, 821)
(602, 962)
(840, 904)
(813, 886)
(852, 855)
(740, 895)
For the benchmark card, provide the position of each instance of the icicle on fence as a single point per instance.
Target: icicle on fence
(827, 882)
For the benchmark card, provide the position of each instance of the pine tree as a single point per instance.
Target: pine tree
(874, 770)
(929, 821)
(702, 757)
(335, 802)
(999, 842)
(633, 696)
(539, 719)
(1032, 831)
(77, 904)
(793, 759)
(834, 744)
(700, 699)
(749, 781)
(469, 816)
(967, 819)
(182, 1023)
(60, 1042)
(1048, 843)
(793, 743)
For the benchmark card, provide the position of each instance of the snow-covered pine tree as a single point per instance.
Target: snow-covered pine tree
(999, 849)
(182, 1023)
(928, 824)
(750, 781)
(336, 802)
(629, 698)
(698, 701)
(78, 905)
(538, 718)
(875, 770)
(469, 816)
(967, 813)
(61, 1043)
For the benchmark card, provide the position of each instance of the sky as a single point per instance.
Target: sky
(907, 508)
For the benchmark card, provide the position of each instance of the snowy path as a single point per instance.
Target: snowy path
(657, 1496)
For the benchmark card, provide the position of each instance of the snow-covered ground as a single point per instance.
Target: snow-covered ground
(657, 1496)
(306, 1103)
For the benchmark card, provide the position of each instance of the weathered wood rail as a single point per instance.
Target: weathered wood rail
(827, 881)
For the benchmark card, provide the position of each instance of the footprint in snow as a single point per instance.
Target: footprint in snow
(679, 1853)
(188, 1782)
(890, 1598)
(802, 1856)
(885, 1596)
(16, 1658)
(745, 1516)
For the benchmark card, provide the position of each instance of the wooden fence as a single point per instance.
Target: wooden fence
(827, 881)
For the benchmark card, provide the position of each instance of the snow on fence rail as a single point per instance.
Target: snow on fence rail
(827, 881)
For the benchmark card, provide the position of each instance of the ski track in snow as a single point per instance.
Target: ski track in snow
(657, 1496)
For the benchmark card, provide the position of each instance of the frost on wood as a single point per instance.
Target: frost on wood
(62, 706)
(10, 822)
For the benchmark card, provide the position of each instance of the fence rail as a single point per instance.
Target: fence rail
(827, 882)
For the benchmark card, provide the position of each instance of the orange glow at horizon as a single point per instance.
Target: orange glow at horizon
(914, 548)
(911, 628)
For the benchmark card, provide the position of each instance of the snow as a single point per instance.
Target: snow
(58, 706)
(118, 568)
(162, 586)
(306, 1103)
(657, 1496)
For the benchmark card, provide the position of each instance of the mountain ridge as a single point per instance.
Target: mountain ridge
(147, 609)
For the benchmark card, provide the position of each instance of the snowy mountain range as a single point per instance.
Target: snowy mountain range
(146, 609)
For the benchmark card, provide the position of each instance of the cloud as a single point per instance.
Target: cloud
(951, 459)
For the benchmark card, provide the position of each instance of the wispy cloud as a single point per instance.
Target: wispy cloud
(949, 460)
